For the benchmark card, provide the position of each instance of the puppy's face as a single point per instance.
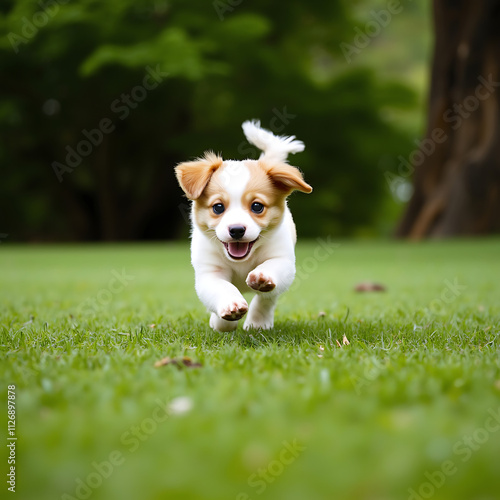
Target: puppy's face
(238, 201)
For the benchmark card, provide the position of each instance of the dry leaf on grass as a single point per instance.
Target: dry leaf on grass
(369, 287)
(345, 341)
(185, 361)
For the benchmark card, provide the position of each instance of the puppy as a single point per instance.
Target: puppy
(243, 234)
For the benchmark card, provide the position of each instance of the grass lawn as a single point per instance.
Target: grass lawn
(410, 408)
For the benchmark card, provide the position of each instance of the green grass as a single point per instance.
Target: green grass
(410, 395)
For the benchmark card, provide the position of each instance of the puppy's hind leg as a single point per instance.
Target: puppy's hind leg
(261, 313)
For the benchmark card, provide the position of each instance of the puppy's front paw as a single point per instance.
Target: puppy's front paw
(260, 282)
(233, 311)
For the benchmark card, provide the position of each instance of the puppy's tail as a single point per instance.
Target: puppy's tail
(274, 147)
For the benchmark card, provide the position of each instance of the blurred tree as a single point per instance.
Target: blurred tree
(457, 176)
(100, 100)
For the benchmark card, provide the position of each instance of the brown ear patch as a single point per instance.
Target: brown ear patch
(287, 178)
(193, 176)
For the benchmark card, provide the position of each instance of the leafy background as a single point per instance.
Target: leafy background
(226, 63)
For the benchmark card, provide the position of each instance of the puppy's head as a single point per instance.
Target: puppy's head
(238, 201)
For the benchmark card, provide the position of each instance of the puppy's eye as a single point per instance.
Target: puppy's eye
(218, 208)
(257, 208)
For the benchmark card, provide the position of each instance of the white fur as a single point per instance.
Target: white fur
(220, 280)
(273, 147)
(235, 177)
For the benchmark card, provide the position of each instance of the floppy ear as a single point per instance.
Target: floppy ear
(288, 178)
(193, 176)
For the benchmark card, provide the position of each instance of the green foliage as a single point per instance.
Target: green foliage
(420, 376)
(67, 67)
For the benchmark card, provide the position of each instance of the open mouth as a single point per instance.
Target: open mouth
(238, 249)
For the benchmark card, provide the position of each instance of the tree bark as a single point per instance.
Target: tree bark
(457, 171)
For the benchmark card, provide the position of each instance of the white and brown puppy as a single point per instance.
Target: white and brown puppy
(243, 235)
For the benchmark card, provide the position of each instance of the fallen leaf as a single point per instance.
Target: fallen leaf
(369, 287)
(185, 361)
(163, 362)
(345, 341)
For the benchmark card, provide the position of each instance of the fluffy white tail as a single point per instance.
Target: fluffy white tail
(274, 147)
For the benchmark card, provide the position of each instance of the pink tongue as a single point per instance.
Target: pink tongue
(237, 249)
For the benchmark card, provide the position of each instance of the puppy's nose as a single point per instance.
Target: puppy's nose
(236, 232)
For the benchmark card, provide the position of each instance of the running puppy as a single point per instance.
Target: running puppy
(243, 234)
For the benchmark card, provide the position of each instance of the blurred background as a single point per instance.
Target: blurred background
(100, 100)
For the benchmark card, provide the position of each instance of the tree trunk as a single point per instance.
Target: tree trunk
(457, 170)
